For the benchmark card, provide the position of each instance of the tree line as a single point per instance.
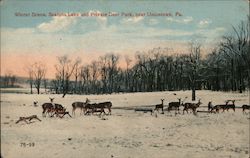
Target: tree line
(8, 80)
(226, 68)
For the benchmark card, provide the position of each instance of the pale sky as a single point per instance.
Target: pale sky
(25, 39)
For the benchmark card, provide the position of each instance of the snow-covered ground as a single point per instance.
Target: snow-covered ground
(125, 133)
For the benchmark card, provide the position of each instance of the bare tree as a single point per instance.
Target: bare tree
(94, 68)
(77, 74)
(30, 71)
(12, 80)
(104, 73)
(45, 83)
(39, 71)
(65, 69)
(85, 74)
(128, 61)
(194, 65)
(112, 70)
(236, 47)
(148, 68)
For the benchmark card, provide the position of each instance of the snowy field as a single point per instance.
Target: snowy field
(125, 133)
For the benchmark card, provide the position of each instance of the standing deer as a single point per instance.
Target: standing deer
(174, 105)
(218, 107)
(98, 107)
(230, 106)
(47, 107)
(104, 105)
(192, 106)
(80, 105)
(209, 106)
(89, 108)
(244, 107)
(159, 106)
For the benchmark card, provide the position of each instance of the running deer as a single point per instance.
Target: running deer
(28, 118)
(79, 105)
(159, 106)
(174, 105)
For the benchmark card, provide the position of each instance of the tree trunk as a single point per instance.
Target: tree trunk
(31, 91)
(240, 79)
(66, 87)
(217, 79)
(193, 93)
(38, 90)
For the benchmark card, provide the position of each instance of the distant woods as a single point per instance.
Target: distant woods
(226, 68)
(8, 80)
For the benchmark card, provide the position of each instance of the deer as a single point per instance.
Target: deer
(101, 110)
(229, 106)
(58, 106)
(174, 105)
(217, 108)
(192, 106)
(159, 106)
(99, 107)
(209, 106)
(104, 105)
(89, 108)
(52, 101)
(47, 108)
(245, 107)
(61, 113)
(80, 105)
(28, 118)
(224, 107)
(50, 107)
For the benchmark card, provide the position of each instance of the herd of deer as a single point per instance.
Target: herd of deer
(226, 106)
(85, 107)
(193, 106)
(176, 106)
